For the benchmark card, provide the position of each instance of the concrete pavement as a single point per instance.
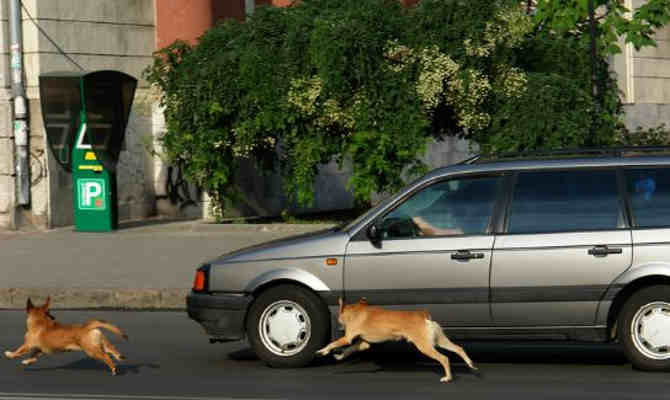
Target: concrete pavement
(143, 265)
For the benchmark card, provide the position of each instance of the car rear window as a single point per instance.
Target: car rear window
(561, 201)
(649, 191)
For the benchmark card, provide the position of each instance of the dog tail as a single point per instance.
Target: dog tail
(93, 324)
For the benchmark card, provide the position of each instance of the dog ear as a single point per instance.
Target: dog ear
(29, 305)
(339, 300)
(47, 303)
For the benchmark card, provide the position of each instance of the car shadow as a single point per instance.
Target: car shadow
(90, 364)
(403, 356)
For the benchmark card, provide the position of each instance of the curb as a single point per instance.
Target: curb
(210, 227)
(123, 299)
(202, 226)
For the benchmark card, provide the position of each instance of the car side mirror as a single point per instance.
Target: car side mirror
(375, 234)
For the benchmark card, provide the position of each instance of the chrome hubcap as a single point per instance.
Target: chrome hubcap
(650, 330)
(284, 328)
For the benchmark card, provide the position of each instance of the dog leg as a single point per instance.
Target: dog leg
(110, 349)
(99, 354)
(343, 341)
(360, 346)
(33, 357)
(447, 344)
(428, 349)
(93, 344)
(18, 352)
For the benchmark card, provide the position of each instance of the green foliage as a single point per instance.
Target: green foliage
(371, 83)
(637, 26)
(658, 136)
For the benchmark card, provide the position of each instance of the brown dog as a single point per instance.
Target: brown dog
(372, 324)
(45, 335)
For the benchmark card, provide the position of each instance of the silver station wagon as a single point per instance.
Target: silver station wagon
(567, 246)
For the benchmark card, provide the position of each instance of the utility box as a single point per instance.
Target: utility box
(85, 117)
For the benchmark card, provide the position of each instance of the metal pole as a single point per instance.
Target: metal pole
(20, 110)
(249, 6)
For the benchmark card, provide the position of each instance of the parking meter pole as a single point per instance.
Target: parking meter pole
(94, 188)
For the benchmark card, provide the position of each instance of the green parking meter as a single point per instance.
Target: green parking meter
(85, 116)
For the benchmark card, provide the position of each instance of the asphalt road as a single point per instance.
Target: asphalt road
(169, 357)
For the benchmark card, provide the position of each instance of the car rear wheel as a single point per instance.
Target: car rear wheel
(644, 324)
(286, 325)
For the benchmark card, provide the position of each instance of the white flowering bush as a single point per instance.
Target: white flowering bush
(366, 82)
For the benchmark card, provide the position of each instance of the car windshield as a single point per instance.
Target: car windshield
(346, 226)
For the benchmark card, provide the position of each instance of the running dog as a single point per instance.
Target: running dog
(372, 324)
(45, 336)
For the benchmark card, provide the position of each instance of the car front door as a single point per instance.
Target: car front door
(434, 252)
(566, 240)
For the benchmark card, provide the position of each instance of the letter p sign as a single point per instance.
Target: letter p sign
(91, 194)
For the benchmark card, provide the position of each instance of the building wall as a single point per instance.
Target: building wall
(96, 34)
(6, 143)
(187, 20)
(644, 79)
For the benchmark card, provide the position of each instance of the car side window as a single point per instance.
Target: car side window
(563, 201)
(649, 191)
(453, 207)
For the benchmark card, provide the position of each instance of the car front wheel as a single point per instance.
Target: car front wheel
(286, 325)
(644, 324)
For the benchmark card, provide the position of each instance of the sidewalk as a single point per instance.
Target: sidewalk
(143, 265)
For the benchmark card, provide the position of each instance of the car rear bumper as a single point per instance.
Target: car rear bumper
(221, 315)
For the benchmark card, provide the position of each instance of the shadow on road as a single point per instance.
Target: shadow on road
(403, 356)
(89, 364)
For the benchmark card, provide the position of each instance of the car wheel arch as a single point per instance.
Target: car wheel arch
(626, 292)
(296, 275)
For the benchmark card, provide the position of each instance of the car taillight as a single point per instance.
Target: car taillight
(199, 282)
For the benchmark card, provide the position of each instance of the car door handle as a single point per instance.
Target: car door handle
(601, 251)
(465, 255)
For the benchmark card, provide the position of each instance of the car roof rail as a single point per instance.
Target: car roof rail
(470, 160)
(623, 151)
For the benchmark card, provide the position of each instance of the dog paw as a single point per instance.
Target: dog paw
(28, 361)
(9, 354)
(322, 352)
(339, 357)
(445, 379)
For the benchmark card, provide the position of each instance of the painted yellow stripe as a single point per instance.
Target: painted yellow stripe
(91, 167)
(90, 156)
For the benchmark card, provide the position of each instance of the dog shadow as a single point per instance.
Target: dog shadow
(89, 364)
(399, 357)
(403, 357)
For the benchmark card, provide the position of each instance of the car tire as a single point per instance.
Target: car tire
(286, 325)
(644, 328)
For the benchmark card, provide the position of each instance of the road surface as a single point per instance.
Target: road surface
(169, 358)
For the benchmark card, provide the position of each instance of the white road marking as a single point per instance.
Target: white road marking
(68, 396)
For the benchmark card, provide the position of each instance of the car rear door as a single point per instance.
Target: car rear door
(444, 269)
(565, 240)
